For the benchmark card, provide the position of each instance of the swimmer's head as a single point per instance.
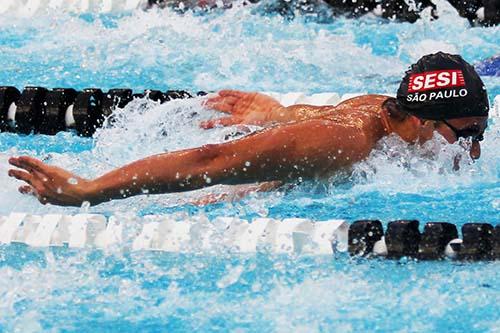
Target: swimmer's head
(441, 93)
(443, 86)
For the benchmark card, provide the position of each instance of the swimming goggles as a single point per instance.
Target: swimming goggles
(465, 133)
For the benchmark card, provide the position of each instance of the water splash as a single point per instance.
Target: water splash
(161, 49)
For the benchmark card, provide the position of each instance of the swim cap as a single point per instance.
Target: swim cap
(442, 86)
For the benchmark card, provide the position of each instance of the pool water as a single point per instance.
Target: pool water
(65, 290)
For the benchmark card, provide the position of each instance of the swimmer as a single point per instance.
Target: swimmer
(440, 93)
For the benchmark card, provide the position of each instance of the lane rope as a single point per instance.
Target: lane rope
(187, 234)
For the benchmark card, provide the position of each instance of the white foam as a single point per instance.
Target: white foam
(29, 8)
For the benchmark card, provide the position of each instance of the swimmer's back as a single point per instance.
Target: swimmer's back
(362, 112)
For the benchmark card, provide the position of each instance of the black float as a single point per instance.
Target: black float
(44, 111)
(8, 95)
(30, 109)
(57, 102)
(495, 253)
(115, 98)
(87, 111)
(477, 241)
(480, 241)
(402, 238)
(434, 239)
(363, 235)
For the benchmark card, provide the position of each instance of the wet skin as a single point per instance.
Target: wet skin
(300, 141)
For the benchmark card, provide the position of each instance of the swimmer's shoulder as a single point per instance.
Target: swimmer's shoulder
(364, 100)
(361, 112)
(360, 109)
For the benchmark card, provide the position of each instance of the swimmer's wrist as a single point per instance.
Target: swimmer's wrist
(92, 192)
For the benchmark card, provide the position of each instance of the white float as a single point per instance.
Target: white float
(174, 234)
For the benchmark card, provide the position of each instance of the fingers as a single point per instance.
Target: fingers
(223, 104)
(234, 93)
(228, 121)
(21, 175)
(27, 163)
(29, 190)
(26, 189)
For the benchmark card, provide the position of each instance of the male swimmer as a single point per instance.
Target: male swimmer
(440, 93)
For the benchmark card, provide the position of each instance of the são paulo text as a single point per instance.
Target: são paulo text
(435, 95)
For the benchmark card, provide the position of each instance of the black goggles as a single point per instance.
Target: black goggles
(465, 133)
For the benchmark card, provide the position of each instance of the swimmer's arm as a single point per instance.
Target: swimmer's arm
(282, 153)
(285, 153)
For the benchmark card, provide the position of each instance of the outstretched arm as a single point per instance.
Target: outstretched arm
(253, 108)
(305, 149)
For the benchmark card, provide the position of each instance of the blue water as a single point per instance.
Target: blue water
(65, 290)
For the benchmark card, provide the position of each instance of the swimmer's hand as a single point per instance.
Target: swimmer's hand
(244, 108)
(50, 184)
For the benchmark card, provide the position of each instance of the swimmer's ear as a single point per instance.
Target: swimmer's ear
(394, 111)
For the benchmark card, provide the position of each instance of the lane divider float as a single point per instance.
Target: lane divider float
(172, 233)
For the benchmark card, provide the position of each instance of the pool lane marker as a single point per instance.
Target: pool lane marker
(480, 241)
(49, 111)
(363, 238)
(43, 233)
(10, 226)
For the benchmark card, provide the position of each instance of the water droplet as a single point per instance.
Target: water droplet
(72, 181)
(85, 206)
